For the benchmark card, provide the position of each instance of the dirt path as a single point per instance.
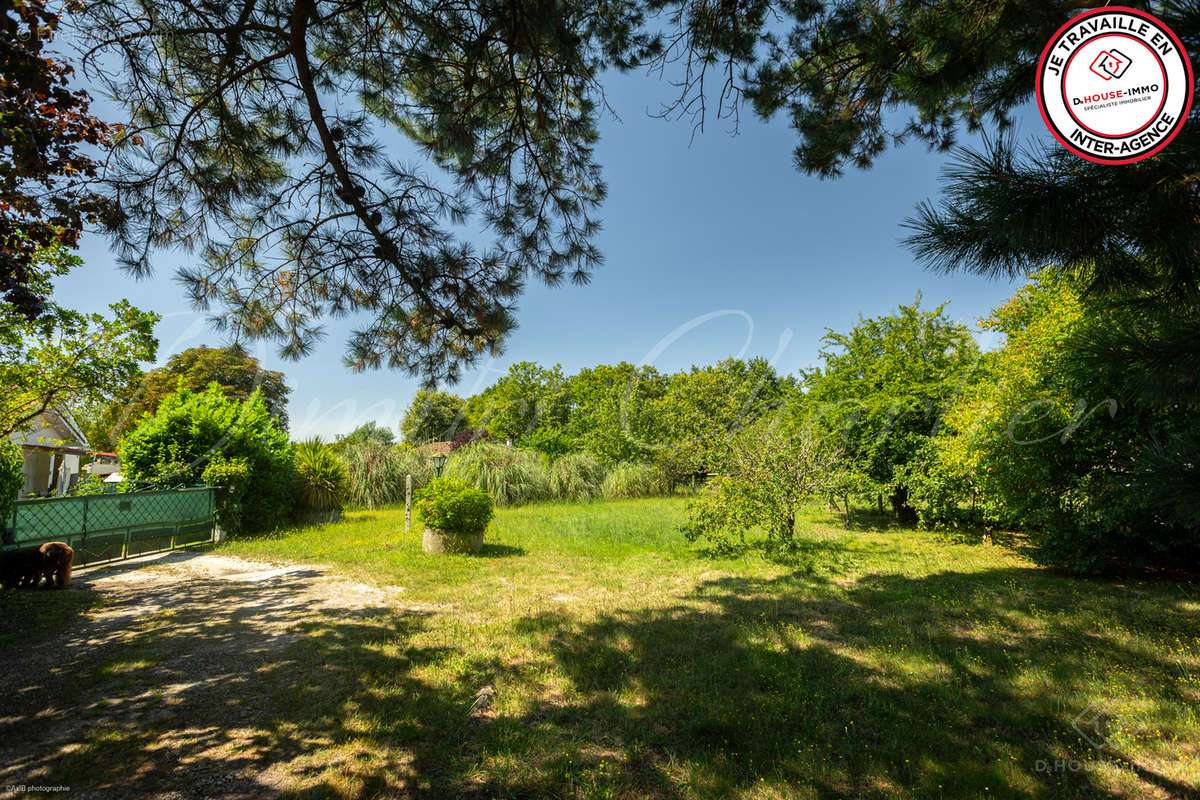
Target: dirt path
(162, 671)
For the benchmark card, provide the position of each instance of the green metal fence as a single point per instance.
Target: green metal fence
(105, 527)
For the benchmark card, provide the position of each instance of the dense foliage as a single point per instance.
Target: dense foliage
(433, 417)
(208, 437)
(370, 431)
(238, 373)
(46, 141)
(621, 413)
(64, 357)
(12, 478)
(527, 406)
(324, 481)
(451, 505)
(1052, 442)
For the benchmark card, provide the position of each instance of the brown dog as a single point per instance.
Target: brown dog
(57, 559)
(20, 568)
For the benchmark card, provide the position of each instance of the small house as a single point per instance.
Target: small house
(53, 448)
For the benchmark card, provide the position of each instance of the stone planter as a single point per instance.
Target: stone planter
(438, 542)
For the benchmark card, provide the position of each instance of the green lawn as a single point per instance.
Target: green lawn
(591, 652)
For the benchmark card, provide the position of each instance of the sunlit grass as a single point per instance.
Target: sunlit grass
(590, 651)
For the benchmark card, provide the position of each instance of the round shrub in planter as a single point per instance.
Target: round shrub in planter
(455, 514)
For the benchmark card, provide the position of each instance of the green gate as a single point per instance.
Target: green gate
(106, 527)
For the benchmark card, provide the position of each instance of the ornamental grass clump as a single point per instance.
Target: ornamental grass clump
(575, 476)
(377, 471)
(631, 480)
(510, 475)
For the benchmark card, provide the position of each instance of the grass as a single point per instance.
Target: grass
(589, 652)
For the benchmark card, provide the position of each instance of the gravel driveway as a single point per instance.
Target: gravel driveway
(157, 690)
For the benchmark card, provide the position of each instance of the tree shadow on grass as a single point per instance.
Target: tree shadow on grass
(26, 613)
(806, 554)
(494, 550)
(892, 686)
(936, 686)
(237, 689)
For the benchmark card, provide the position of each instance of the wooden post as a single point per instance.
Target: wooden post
(407, 502)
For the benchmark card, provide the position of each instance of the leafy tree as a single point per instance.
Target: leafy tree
(367, 432)
(614, 412)
(704, 406)
(771, 475)
(45, 133)
(1052, 442)
(238, 373)
(530, 405)
(65, 357)
(883, 389)
(294, 203)
(1127, 239)
(195, 436)
(433, 417)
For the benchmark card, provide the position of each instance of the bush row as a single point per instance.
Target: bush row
(269, 481)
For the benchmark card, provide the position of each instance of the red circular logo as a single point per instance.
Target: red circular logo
(1114, 85)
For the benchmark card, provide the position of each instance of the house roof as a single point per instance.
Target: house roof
(59, 420)
(437, 448)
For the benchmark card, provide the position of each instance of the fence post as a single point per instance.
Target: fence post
(407, 503)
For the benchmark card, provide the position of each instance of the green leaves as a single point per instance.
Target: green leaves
(884, 388)
(207, 436)
(451, 505)
(66, 357)
(433, 416)
(770, 475)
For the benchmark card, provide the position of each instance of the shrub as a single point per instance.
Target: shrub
(451, 505)
(233, 478)
(92, 484)
(576, 476)
(324, 479)
(631, 480)
(509, 474)
(207, 436)
(12, 478)
(1079, 432)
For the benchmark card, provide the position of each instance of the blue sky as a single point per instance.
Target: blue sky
(714, 248)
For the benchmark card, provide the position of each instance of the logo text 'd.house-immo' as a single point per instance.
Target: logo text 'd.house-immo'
(1114, 85)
